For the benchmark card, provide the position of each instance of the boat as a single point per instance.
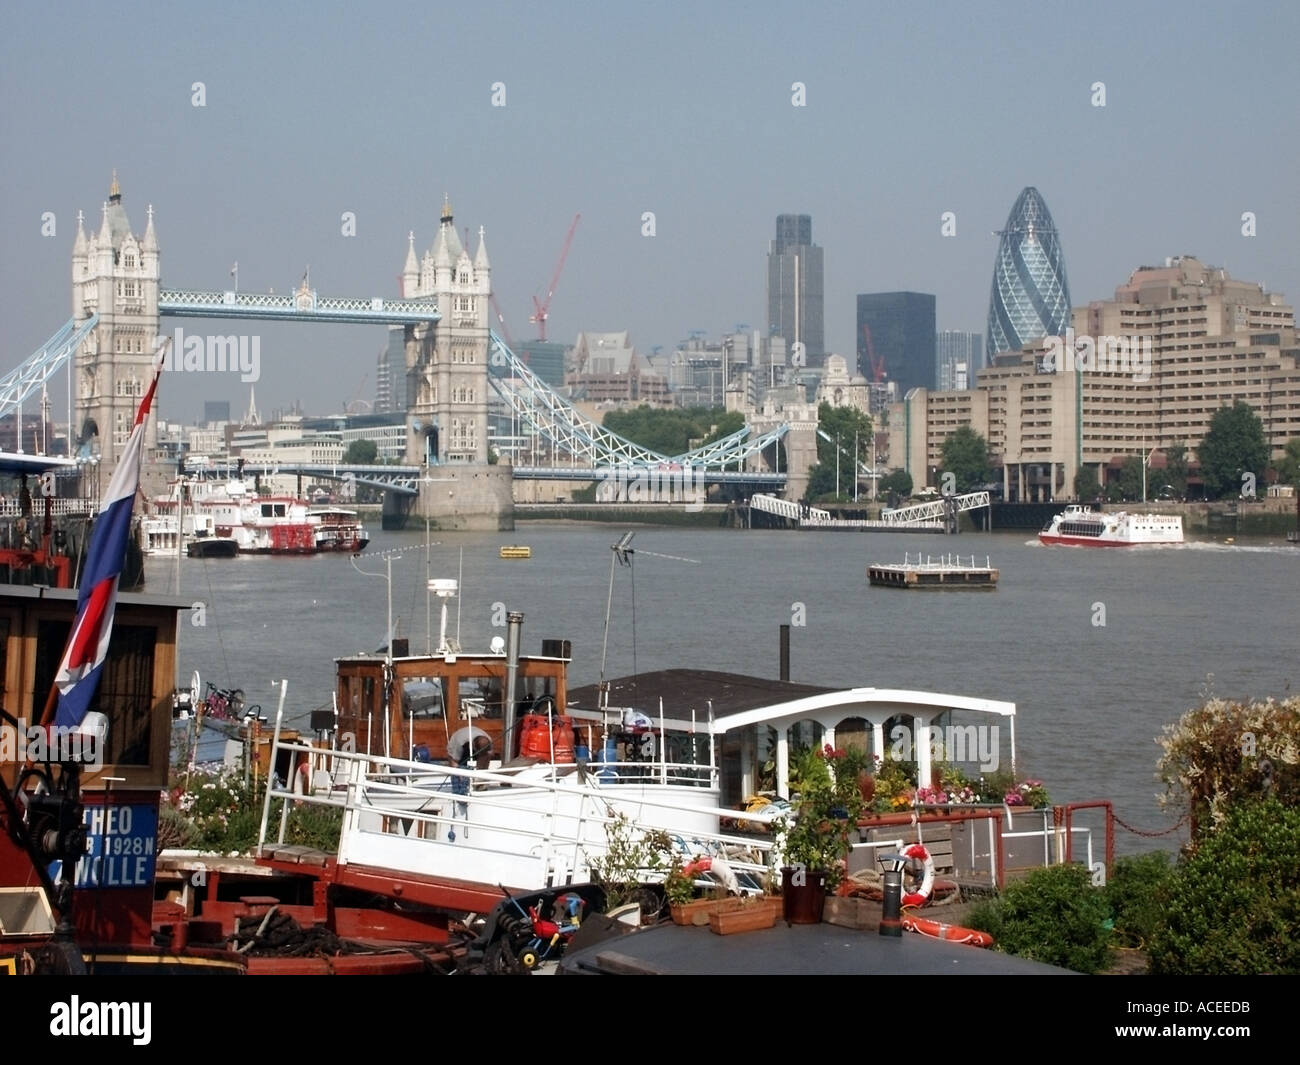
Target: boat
(212, 547)
(465, 774)
(265, 524)
(516, 551)
(1082, 526)
(77, 858)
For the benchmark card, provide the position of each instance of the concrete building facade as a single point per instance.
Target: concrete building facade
(1195, 339)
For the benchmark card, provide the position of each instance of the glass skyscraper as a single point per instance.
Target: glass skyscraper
(1030, 297)
(896, 338)
(795, 293)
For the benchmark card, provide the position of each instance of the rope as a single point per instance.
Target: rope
(207, 575)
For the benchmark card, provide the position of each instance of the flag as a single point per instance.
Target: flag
(83, 658)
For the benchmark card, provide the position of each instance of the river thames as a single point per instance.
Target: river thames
(1099, 650)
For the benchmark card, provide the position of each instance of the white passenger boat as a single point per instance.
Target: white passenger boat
(1085, 527)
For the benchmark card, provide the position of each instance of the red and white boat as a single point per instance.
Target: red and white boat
(271, 525)
(1085, 527)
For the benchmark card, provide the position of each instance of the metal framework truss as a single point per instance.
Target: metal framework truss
(936, 509)
(404, 480)
(294, 307)
(590, 445)
(42, 364)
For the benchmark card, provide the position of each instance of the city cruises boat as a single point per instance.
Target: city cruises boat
(1085, 527)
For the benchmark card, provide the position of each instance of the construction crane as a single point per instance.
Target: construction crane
(877, 364)
(542, 309)
(501, 321)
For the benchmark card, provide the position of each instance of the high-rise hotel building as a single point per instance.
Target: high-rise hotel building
(1202, 340)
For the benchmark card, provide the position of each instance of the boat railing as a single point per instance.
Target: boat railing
(571, 811)
(944, 562)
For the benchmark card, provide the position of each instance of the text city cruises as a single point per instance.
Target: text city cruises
(1086, 527)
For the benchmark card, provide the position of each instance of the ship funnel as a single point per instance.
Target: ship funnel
(514, 629)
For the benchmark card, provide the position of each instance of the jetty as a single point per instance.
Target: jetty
(945, 571)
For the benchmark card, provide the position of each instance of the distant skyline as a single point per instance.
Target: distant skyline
(874, 120)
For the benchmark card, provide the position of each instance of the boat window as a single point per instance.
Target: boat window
(479, 697)
(422, 697)
(804, 735)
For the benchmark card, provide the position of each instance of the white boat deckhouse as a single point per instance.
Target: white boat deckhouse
(738, 710)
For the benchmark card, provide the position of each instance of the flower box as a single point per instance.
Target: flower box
(749, 916)
(696, 912)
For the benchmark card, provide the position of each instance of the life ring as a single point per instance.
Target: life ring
(921, 895)
(302, 779)
(953, 933)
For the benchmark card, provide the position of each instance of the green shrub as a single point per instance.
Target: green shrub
(1234, 904)
(1054, 915)
(1136, 893)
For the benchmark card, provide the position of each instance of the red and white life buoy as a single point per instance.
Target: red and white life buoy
(921, 895)
(953, 933)
(302, 779)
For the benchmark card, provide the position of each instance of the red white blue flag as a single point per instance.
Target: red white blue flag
(83, 659)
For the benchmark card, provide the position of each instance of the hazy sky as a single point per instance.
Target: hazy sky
(613, 110)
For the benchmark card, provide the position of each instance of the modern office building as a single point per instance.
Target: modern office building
(958, 356)
(896, 339)
(216, 410)
(795, 288)
(1176, 344)
(1030, 297)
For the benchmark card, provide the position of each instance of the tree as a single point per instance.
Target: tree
(1234, 445)
(1176, 469)
(1288, 466)
(842, 425)
(361, 453)
(897, 486)
(966, 456)
(1130, 478)
(1086, 485)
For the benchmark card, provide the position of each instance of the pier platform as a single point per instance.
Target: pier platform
(945, 571)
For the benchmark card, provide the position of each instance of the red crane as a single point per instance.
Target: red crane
(877, 364)
(542, 309)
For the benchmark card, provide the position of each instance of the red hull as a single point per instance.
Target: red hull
(1094, 541)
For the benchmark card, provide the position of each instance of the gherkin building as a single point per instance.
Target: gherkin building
(1030, 297)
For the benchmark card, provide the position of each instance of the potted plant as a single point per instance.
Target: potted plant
(816, 844)
(860, 765)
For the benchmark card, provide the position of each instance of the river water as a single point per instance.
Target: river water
(1098, 649)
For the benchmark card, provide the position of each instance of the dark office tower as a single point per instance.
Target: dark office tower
(216, 410)
(794, 287)
(1030, 297)
(896, 339)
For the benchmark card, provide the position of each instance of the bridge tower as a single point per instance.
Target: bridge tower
(447, 384)
(114, 274)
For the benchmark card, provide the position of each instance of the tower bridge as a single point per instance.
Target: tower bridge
(452, 359)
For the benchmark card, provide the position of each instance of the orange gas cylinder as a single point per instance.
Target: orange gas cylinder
(539, 734)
